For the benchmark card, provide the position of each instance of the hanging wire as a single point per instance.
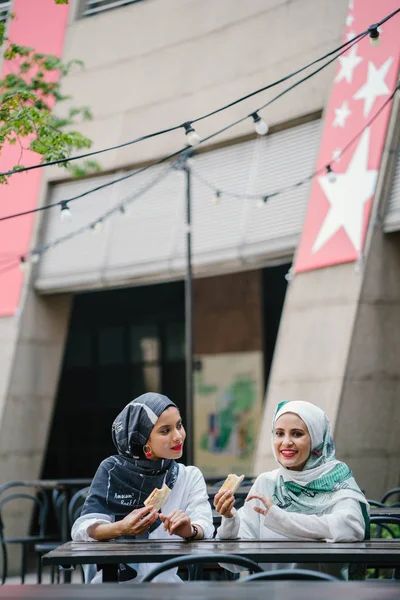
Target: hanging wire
(177, 152)
(343, 47)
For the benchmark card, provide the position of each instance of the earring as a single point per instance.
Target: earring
(147, 450)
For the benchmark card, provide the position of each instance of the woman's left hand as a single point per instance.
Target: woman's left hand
(177, 523)
(266, 501)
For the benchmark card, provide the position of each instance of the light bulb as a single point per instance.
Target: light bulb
(65, 214)
(122, 209)
(96, 227)
(331, 174)
(289, 275)
(23, 264)
(193, 138)
(262, 201)
(374, 36)
(261, 126)
(35, 257)
(217, 197)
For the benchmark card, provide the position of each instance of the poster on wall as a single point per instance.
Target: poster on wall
(228, 395)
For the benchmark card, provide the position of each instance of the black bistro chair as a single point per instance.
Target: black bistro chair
(73, 511)
(393, 492)
(203, 559)
(289, 574)
(38, 501)
(386, 527)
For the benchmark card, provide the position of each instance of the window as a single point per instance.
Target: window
(5, 6)
(92, 7)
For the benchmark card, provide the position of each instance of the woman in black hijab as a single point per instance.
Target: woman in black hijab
(149, 437)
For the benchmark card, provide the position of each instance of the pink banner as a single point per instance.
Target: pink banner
(40, 24)
(366, 75)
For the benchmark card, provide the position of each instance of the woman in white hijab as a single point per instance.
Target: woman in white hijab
(311, 496)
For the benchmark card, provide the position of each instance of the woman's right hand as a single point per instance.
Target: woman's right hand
(223, 502)
(138, 521)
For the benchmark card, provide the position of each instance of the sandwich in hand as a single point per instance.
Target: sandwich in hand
(232, 483)
(158, 497)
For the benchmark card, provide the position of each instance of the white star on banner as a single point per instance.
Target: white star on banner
(351, 4)
(349, 20)
(347, 65)
(375, 85)
(341, 115)
(347, 197)
(350, 35)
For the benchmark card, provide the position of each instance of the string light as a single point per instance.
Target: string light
(65, 213)
(97, 226)
(263, 201)
(374, 35)
(289, 275)
(34, 257)
(122, 209)
(217, 197)
(23, 264)
(260, 126)
(373, 31)
(331, 174)
(193, 138)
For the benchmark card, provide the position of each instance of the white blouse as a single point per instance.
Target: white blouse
(343, 522)
(188, 494)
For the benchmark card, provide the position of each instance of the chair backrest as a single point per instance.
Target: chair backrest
(376, 504)
(289, 574)
(203, 559)
(384, 523)
(76, 503)
(38, 501)
(393, 492)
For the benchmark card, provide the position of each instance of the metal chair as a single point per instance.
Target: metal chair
(76, 504)
(385, 524)
(393, 492)
(375, 503)
(40, 502)
(74, 510)
(289, 574)
(58, 500)
(202, 559)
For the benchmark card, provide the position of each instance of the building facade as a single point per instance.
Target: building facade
(100, 317)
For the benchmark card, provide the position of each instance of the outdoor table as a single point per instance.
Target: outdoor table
(209, 590)
(388, 511)
(375, 553)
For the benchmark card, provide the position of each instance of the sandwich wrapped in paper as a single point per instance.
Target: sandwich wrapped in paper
(232, 483)
(158, 497)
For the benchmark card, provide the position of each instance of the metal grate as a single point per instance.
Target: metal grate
(92, 7)
(5, 6)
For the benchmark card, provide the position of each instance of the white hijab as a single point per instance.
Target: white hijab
(323, 480)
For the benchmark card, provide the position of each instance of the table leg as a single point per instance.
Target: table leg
(110, 573)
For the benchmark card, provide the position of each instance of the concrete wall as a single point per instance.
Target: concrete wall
(367, 429)
(154, 64)
(312, 346)
(32, 346)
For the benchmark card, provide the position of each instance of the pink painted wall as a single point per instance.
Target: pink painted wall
(41, 24)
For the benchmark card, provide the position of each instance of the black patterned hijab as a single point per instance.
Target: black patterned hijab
(123, 482)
